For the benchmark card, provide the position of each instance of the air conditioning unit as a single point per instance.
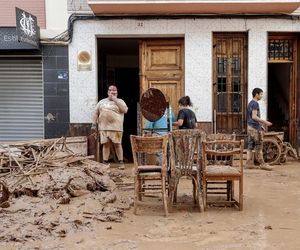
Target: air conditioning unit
(84, 60)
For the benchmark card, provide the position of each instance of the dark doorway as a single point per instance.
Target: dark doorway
(118, 64)
(278, 97)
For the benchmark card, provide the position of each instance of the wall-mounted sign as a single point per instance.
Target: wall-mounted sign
(27, 28)
(9, 40)
(84, 60)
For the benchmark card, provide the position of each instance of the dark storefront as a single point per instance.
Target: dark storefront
(34, 89)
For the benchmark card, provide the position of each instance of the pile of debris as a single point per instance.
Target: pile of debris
(38, 179)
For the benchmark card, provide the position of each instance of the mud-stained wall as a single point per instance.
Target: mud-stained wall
(56, 90)
(197, 35)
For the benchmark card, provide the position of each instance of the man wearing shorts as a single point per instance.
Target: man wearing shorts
(256, 132)
(109, 113)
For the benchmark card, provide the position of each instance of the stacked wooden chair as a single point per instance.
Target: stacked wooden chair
(221, 188)
(150, 179)
(185, 161)
(218, 166)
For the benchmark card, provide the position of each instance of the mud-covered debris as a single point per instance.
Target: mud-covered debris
(47, 191)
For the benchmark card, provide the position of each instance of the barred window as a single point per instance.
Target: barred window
(281, 49)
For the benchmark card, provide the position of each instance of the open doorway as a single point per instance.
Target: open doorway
(279, 84)
(283, 70)
(118, 64)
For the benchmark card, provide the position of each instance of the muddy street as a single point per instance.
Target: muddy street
(270, 220)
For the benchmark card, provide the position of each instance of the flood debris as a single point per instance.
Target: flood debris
(46, 190)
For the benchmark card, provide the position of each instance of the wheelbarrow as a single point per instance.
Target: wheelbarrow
(275, 150)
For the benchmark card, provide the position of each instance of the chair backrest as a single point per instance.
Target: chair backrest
(218, 152)
(186, 149)
(226, 160)
(143, 146)
(220, 136)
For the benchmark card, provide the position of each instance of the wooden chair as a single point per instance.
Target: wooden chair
(185, 161)
(216, 167)
(221, 187)
(144, 172)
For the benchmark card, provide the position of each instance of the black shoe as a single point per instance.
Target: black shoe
(105, 162)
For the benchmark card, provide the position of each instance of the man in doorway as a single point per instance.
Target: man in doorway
(255, 132)
(109, 113)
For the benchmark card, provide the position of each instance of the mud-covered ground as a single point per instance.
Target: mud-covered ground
(270, 219)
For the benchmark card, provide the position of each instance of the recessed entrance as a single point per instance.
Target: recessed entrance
(118, 64)
(282, 85)
(278, 97)
(134, 65)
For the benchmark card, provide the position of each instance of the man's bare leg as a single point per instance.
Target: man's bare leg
(119, 151)
(106, 151)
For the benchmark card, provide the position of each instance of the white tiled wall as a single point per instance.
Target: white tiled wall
(198, 56)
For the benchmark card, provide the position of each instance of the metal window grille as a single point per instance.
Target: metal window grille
(281, 49)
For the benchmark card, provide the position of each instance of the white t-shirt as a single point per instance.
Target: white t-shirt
(110, 118)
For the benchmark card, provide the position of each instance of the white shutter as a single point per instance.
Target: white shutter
(21, 99)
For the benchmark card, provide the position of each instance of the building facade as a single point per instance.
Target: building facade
(214, 52)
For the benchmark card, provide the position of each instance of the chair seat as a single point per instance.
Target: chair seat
(221, 170)
(149, 168)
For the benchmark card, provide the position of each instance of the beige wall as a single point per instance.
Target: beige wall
(56, 18)
(8, 14)
(56, 14)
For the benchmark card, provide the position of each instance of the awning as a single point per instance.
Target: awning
(146, 7)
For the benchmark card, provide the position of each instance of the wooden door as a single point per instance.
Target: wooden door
(229, 82)
(293, 123)
(162, 67)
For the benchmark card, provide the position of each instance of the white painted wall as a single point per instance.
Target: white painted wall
(198, 56)
(56, 18)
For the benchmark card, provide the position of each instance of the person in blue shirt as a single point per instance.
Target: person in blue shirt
(161, 123)
(255, 131)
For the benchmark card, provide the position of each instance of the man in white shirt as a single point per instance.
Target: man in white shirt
(109, 113)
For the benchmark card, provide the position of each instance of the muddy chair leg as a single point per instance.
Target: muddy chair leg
(230, 190)
(198, 195)
(141, 183)
(164, 196)
(195, 191)
(136, 193)
(200, 200)
(241, 196)
(175, 193)
(171, 194)
(204, 196)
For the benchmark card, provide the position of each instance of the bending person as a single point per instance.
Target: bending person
(186, 118)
